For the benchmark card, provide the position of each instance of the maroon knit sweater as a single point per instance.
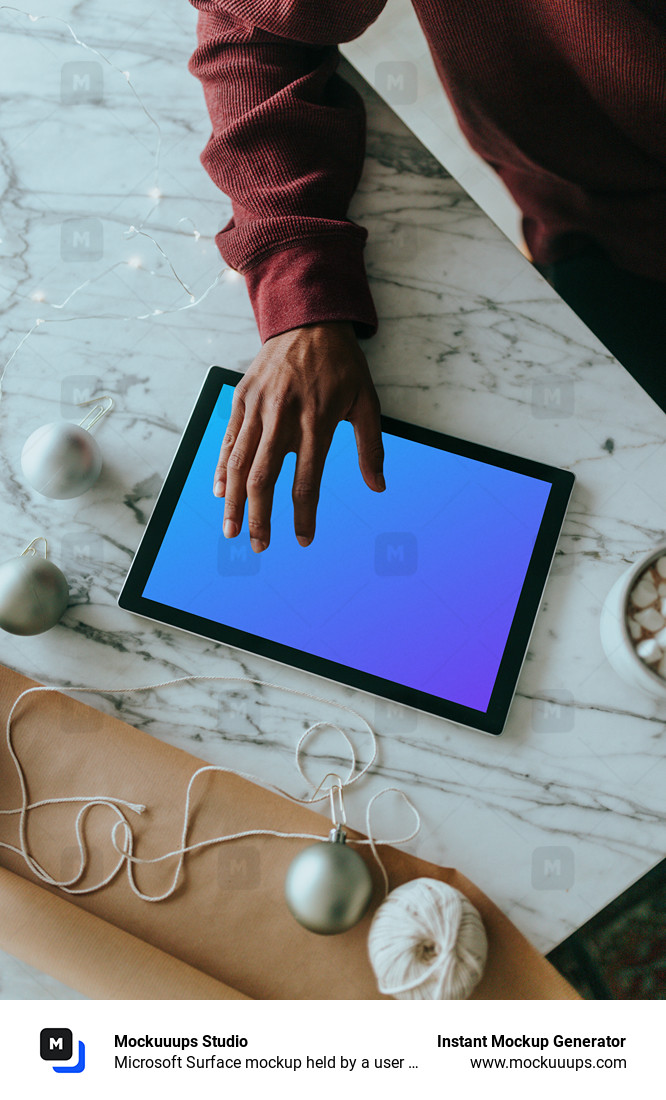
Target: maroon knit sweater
(565, 99)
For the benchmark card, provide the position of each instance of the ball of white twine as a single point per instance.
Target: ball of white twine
(427, 942)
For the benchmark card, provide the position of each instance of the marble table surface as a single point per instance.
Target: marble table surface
(472, 341)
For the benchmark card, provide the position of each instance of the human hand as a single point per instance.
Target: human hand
(292, 397)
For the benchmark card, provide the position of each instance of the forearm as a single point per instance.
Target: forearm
(287, 146)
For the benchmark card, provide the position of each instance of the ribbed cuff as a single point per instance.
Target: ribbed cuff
(319, 279)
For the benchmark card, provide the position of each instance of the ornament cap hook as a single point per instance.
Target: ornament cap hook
(97, 412)
(337, 835)
(32, 549)
(338, 815)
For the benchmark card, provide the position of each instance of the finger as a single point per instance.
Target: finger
(230, 436)
(365, 418)
(310, 460)
(261, 480)
(238, 467)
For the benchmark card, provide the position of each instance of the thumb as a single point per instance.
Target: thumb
(365, 418)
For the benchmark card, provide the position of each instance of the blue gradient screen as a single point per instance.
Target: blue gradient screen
(418, 584)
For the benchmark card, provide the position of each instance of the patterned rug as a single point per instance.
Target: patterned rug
(621, 953)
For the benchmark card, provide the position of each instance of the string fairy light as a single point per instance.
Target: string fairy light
(88, 282)
(121, 72)
(142, 233)
(134, 262)
(195, 232)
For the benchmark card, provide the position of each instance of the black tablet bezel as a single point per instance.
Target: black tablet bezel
(490, 721)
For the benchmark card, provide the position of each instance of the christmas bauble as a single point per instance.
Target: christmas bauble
(61, 460)
(328, 886)
(33, 595)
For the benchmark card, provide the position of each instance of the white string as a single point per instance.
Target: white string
(125, 846)
(371, 840)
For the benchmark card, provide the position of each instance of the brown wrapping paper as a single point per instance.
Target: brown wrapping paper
(227, 918)
(91, 955)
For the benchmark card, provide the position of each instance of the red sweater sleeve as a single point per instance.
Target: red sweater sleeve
(287, 146)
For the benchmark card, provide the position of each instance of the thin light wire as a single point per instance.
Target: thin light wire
(134, 230)
(142, 233)
(105, 59)
(110, 316)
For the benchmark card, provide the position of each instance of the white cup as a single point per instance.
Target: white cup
(615, 637)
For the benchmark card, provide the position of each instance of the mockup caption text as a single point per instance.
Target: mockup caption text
(521, 1042)
(164, 1056)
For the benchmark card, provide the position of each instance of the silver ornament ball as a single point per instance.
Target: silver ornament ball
(61, 460)
(328, 886)
(33, 595)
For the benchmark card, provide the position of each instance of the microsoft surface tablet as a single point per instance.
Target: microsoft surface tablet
(425, 594)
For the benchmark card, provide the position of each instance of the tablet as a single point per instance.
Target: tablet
(425, 594)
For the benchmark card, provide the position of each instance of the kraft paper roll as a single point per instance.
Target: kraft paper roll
(228, 918)
(91, 955)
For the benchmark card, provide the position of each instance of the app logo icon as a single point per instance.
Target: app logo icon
(56, 1044)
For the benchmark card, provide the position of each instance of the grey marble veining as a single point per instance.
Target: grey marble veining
(472, 341)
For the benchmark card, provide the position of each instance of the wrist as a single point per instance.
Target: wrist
(317, 331)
